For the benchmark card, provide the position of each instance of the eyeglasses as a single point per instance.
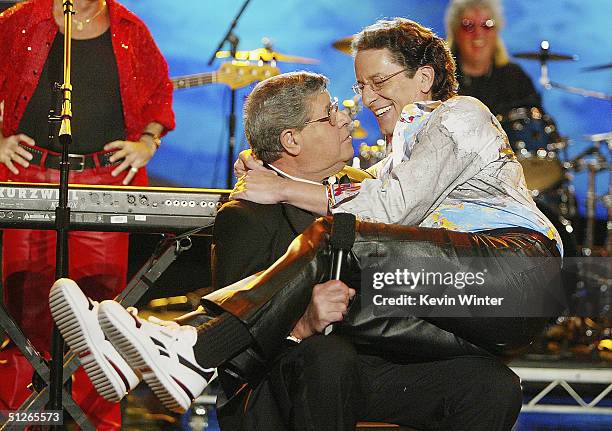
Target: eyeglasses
(377, 83)
(469, 25)
(332, 114)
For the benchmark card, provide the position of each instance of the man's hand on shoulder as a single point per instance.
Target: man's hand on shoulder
(245, 162)
(328, 304)
(264, 187)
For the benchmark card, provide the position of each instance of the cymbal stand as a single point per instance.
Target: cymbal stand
(590, 211)
(593, 167)
(607, 201)
(548, 84)
(233, 40)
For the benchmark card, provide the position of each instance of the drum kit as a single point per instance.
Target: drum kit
(543, 153)
(548, 170)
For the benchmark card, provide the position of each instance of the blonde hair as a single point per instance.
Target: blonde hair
(453, 21)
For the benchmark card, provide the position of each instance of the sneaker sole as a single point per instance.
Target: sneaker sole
(121, 329)
(65, 304)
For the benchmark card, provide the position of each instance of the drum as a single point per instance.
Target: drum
(534, 138)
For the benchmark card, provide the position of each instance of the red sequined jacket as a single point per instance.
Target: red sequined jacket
(27, 32)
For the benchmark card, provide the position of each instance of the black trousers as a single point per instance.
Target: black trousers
(325, 384)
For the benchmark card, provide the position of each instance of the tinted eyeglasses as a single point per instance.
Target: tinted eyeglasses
(469, 25)
(377, 83)
(332, 114)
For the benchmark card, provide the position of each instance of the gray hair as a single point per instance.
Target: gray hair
(279, 103)
(452, 20)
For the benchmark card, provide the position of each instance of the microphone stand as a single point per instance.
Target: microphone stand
(62, 211)
(231, 144)
(233, 40)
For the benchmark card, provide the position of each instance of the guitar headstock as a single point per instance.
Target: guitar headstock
(238, 75)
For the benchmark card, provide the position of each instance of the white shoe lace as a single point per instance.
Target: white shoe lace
(94, 304)
(132, 310)
(152, 319)
(170, 324)
(170, 327)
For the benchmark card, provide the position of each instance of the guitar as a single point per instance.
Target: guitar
(235, 75)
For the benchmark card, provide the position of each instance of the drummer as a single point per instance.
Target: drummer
(484, 70)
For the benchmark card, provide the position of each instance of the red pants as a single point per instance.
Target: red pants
(97, 261)
(16, 374)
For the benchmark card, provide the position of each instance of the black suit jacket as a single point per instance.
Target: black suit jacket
(249, 237)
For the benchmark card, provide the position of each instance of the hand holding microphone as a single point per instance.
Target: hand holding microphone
(330, 300)
(341, 240)
(329, 304)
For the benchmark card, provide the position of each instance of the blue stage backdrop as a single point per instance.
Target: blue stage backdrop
(188, 31)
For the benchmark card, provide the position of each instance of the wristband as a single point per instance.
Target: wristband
(329, 191)
(156, 138)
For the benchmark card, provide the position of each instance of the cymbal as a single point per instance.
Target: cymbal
(598, 67)
(598, 137)
(265, 54)
(358, 132)
(344, 45)
(545, 55)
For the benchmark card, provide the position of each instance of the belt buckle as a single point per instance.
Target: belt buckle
(81, 158)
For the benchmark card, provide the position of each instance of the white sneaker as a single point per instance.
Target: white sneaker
(162, 351)
(76, 316)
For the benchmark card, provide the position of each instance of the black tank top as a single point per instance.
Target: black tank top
(97, 114)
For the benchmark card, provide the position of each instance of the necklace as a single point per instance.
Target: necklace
(81, 24)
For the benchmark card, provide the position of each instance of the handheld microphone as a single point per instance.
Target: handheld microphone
(341, 240)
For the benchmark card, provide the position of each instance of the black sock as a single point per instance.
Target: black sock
(220, 339)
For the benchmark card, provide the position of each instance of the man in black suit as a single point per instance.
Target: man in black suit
(249, 237)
